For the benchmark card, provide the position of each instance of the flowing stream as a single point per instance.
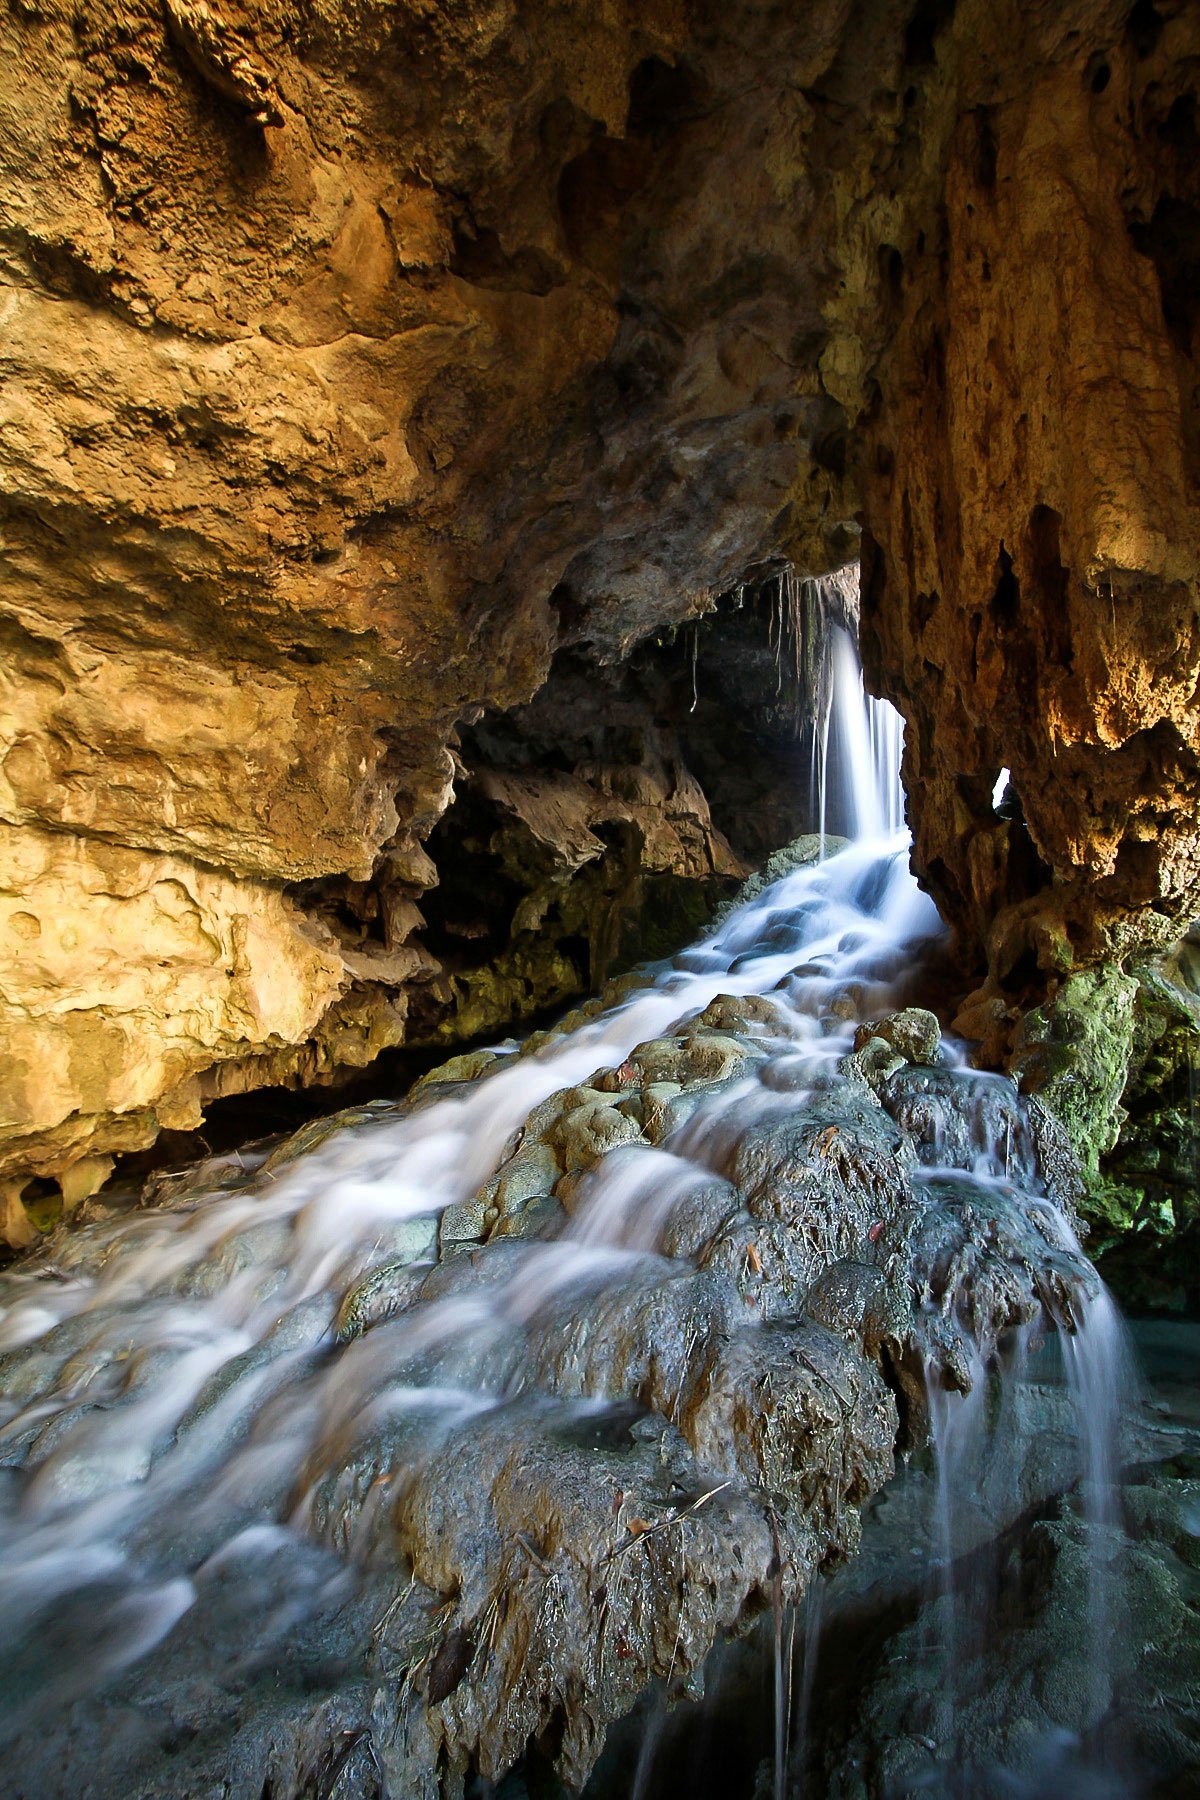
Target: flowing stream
(179, 1393)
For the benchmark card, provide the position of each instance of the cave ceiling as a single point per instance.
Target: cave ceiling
(360, 359)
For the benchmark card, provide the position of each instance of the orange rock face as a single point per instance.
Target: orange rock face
(1032, 484)
(357, 356)
(354, 355)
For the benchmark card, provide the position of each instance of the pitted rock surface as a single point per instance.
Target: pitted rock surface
(550, 1469)
(293, 519)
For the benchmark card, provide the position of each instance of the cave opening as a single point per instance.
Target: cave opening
(574, 1070)
(738, 1178)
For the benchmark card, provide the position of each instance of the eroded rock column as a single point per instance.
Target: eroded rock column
(1031, 470)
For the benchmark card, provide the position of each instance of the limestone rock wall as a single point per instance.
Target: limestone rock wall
(1031, 479)
(358, 357)
(326, 412)
(129, 974)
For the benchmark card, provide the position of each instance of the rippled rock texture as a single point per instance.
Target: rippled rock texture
(1032, 481)
(360, 358)
(534, 1454)
(1114, 1055)
(355, 358)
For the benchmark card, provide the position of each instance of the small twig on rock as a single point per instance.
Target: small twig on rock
(381, 1624)
(532, 1553)
(677, 1518)
(683, 1372)
(679, 1623)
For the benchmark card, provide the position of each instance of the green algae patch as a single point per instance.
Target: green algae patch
(1113, 1055)
(1075, 1053)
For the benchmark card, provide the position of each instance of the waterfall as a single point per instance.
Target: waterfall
(1099, 1366)
(861, 760)
(855, 740)
(177, 1391)
(203, 1295)
(981, 1446)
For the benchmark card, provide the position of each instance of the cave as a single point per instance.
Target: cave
(600, 900)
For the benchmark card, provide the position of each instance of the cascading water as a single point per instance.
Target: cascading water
(863, 752)
(856, 747)
(194, 1408)
(1100, 1373)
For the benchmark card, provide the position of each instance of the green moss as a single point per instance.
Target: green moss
(569, 936)
(522, 983)
(799, 854)
(1115, 1054)
(45, 1209)
(1159, 1147)
(1075, 1054)
(672, 911)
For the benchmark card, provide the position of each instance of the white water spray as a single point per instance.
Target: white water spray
(173, 1385)
(227, 1304)
(857, 743)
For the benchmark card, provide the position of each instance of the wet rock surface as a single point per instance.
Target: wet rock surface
(1029, 609)
(488, 1484)
(1112, 1056)
(1026, 1718)
(1034, 1705)
(887, 1695)
(295, 521)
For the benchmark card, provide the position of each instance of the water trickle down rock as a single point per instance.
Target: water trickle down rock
(497, 1484)
(646, 1461)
